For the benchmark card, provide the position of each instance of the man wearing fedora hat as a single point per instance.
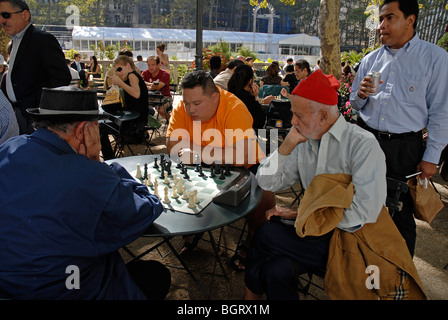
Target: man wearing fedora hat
(65, 214)
(320, 142)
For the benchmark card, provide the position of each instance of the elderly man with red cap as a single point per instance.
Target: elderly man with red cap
(330, 157)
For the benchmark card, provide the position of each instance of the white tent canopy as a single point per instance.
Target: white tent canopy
(183, 40)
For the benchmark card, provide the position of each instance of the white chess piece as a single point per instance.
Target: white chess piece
(138, 175)
(156, 187)
(184, 193)
(191, 203)
(174, 194)
(166, 199)
(149, 180)
(156, 192)
(166, 181)
(180, 185)
(195, 196)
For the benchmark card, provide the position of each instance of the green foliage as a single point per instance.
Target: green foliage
(222, 48)
(351, 56)
(70, 54)
(247, 52)
(443, 42)
(109, 52)
(182, 70)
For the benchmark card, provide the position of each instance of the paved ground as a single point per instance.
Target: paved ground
(431, 254)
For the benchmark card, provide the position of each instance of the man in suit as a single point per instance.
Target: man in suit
(80, 66)
(36, 61)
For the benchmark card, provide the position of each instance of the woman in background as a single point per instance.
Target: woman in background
(135, 99)
(271, 77)
(243, 86)
(164, 60)
(94, 68)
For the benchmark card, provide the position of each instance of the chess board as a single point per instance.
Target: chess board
(207, 187)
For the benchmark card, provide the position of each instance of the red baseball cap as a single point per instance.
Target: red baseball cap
(318, 87)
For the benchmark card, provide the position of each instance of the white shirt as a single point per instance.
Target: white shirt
(345, 148)
(413, 95)
(74, 73)
(141, 65)
(222, 79)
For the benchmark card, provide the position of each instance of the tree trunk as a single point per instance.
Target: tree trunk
(329, 37)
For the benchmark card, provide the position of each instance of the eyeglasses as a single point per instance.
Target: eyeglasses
(7, 15)
(119, 69)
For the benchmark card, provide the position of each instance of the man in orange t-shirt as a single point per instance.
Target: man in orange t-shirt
(214, 125)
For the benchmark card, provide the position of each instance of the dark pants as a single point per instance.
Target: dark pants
(152, 277)
(23, 119)
(402, 157)
(277, 255)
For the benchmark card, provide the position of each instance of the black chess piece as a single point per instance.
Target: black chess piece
(186, 176)
(212, 172)
(179, 165)
(162, 171)
(168, 168)
(156, 166)
(196, 167)
(227, 172)
(217, 168)
(201, 174)
(145, 172)
(221, 176)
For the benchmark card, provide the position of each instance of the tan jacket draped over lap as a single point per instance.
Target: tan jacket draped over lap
(375, 244)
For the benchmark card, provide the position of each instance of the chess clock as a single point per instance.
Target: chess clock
(235, 194)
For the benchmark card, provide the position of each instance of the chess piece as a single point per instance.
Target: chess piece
(166, 199)
(184, 193)
(227, 172)
(221, 176)
(179, 185)
(212, 172)
(186, 176)
(145, 172)
(162, 170)
(168, 167)
(201, 174)
(195, 196)
(138, 175)
(174, 194)
(148, 179)
(179, 165)
(166, 181)
(156, 166)
(156, 189)
(191, 203)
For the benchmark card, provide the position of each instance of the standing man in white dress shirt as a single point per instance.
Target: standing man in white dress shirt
(412, 96)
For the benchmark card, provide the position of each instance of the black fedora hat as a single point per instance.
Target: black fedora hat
(67, 103)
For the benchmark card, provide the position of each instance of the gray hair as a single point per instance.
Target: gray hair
(62, 126)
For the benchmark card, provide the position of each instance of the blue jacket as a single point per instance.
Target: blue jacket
(60, 209)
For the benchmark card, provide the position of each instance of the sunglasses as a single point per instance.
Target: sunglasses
(119, 69)
(7, 15)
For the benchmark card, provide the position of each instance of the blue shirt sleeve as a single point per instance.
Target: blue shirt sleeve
(129, 211)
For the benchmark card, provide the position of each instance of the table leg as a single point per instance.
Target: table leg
(179, 258)
(217, 259)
